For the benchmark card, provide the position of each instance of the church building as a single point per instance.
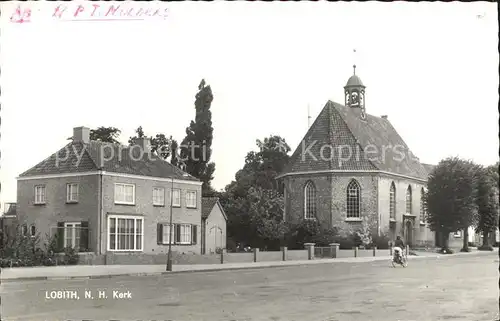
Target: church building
(352, 167)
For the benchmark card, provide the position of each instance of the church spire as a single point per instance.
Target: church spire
(354, 92)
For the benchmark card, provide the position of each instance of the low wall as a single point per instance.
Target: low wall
(362, 253)
(238, 257)
(189, 259)
(270, 256)
(146, 259)
(296, 255)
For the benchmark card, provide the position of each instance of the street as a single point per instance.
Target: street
(446, 288)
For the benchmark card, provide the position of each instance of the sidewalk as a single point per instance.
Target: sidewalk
(106, 271)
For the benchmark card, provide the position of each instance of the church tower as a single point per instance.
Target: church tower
(354, 92)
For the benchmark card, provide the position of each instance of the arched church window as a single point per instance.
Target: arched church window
(408, 200)
(353, 199)
(392, 201)
(309, 201)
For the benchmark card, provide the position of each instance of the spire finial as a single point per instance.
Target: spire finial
(354, 67)
(308, 117)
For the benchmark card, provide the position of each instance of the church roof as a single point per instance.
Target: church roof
(429, 167)
(373, 144)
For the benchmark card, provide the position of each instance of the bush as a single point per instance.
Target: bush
(345, 242)
(485, 248)
(309, 231)
(445, 251)
(380, 241)
(70, 256)
(4, 263)
(21, 250)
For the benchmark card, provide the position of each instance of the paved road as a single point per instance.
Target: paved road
(451, 288)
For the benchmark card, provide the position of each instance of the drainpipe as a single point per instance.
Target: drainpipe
(99, 214)
(377, 206)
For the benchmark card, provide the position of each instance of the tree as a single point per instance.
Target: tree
(258, 174)
(487, 204)
(160, 144)
(105, 134)
(266, 217)
(195, 149)
(451, 196)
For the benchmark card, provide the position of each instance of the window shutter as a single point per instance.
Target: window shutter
(84, 237)
(194, 235)
(159, 233)
(60, 236)
(177, 233)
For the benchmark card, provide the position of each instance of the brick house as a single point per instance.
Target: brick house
(213, 225)
(352, 167)
(110, 199)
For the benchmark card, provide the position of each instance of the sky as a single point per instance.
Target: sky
(431, 67)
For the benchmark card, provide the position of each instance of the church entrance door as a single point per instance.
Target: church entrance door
(409, 233)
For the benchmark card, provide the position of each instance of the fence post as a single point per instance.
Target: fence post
(335, 249)
(355, 251)
(374, 250)
(310, 250)
(284, 251)
(255, 255)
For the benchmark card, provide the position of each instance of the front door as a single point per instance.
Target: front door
(409, 233)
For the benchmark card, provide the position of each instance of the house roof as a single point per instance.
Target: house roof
(77, 157)
(207, 205)
(373, 143)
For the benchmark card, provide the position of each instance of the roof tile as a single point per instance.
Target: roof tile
(113, 157)
(372, 144)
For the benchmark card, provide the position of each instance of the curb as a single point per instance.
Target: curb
(320, 261)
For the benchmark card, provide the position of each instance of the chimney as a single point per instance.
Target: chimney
(384, 116)
(81, 134)
(145, 144)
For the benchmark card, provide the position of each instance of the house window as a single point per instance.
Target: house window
(166, 234)
(353, 199)
(408, 200)
(125, 233)
(191, 199)
(309, 201)
(40, 194)
(24, 230)
(71, 193)
(124, 194)
(184, 234)
(72, 235)
(181, 233)
(32, 230)
(422, 206)
(392, 201)
(176, 197)
(159, 196)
